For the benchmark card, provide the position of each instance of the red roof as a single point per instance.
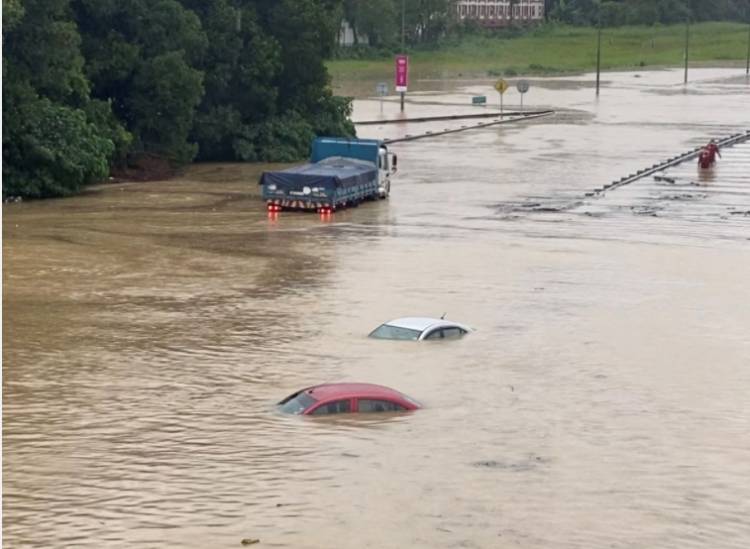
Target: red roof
(328, 391)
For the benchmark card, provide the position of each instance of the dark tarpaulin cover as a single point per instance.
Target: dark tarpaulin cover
(330, 173)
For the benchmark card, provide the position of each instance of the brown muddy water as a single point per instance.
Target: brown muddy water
(603, 401)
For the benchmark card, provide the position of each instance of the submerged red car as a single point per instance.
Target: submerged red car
(342, 398)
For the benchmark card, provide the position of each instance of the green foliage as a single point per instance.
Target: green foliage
(559, 48)
(283, 138)
(306, 36)
(92, 83)
(424, 22)
(43, 48)
(332, 116)
(13, 12)
(429, 22)
(164, 93)
(240, 66)
(380, 22)
(141, 56)
(287, 137)
(100, 114)
(49, 149)
(644, 12)
(266, 83)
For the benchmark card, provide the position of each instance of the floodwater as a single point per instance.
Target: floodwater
(603, 401)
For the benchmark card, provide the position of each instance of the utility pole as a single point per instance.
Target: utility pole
(599, 50)
(687, 40)
(403, 41)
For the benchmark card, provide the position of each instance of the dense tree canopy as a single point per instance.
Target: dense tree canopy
(384, 21)
(644, 12)
(426, 21)
(91, 84)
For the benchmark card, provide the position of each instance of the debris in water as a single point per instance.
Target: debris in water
(645, 210)
(528, 464)
(684, 196)
(250, 541)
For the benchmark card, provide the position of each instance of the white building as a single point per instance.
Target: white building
(497, 13)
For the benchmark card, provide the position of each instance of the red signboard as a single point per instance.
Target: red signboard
(402, 73)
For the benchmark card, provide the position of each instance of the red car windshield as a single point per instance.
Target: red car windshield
(297, 403)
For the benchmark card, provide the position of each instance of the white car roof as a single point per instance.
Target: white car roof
(421, 323)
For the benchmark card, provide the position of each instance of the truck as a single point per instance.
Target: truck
(341, 173)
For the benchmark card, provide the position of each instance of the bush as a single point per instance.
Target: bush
(51, 150)
(283, 138)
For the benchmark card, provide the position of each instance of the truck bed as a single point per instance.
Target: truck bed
(331, 173)
(330, 183)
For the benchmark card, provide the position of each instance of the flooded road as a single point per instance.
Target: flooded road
(604, 400)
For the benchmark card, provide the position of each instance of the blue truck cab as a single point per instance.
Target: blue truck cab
(341, 173)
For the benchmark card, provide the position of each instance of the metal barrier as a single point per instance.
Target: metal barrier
(670, 162)
(520, 118)
(448, 117)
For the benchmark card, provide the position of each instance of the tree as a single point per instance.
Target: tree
(88, 83)
(379, 21)
(240, 66)
(141, 56)
(50, 145)
(50, 149)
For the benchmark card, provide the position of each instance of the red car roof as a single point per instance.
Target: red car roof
(327, 394)
(328, 391)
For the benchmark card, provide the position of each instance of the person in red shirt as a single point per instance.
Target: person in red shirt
(713, 150)
(705, 159)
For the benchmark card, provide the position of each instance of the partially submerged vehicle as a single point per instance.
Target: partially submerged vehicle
(420, 328)
(340, 398)
(341, 173)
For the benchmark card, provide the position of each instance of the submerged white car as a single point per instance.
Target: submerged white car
(419, 328)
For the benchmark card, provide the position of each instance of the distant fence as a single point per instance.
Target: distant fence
(522, 117)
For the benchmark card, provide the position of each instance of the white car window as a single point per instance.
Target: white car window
(453, 333)
(394, 332)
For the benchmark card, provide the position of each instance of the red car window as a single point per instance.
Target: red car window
(336, 407)
(369, 405)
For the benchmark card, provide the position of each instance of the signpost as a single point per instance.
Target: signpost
(382, 90)
(501, 86)
(687, 42)
(479, 100)
(402, 76)
(522, 86)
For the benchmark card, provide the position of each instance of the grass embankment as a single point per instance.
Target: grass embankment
(561, 49)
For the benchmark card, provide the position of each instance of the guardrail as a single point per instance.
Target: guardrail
(447, 117)
(446, 131)
(670, 162)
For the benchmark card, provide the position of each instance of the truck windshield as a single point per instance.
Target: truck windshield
(394, 332)
(296, 404)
